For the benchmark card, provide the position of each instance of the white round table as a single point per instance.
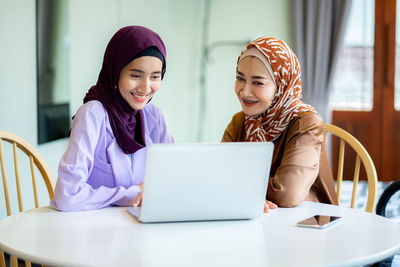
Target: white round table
(112, 237)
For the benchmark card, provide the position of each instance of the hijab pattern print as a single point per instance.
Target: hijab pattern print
(286, 103)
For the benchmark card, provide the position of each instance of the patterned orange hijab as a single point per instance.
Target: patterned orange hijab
(286, 104)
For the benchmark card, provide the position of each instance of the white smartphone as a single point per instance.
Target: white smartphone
(320, 221)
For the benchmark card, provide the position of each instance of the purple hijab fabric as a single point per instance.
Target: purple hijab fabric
(127, 123)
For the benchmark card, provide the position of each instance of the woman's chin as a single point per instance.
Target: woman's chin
(251, 112)
(138, 105)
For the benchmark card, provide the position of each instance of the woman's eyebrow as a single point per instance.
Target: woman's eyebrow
(136, 70)
(140, 71)
(252, 77)
(258, 77)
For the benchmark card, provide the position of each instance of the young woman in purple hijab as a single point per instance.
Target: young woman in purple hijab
(105, 159)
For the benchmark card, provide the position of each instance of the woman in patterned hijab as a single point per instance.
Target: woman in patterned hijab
(268, 86)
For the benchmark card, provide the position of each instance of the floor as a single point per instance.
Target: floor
(393, 207)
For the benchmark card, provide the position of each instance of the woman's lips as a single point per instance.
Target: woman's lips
(139, 98)
(248, 102)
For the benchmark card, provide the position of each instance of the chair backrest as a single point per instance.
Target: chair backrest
(361, 155)
(19, 144)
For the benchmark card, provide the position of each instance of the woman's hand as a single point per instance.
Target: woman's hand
(269, 205)
(138, 200)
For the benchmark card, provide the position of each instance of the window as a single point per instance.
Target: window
(353, 80)
(52, 70)
(372, 116)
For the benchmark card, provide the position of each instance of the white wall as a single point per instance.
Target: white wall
(237, 21)
(178, 31)
(179, 23)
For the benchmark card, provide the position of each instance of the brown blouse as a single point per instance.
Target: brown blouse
(300, 168)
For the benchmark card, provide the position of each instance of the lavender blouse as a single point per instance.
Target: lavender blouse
(94, 172)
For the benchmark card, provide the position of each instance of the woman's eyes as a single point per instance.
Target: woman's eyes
(153, 77)
(258, 83)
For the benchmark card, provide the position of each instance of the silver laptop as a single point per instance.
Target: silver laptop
(195, 182)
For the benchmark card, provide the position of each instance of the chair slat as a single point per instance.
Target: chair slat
(2, 259)
(17, 180)
(35, 194)
(14, 261)
(340, 169)
(355, 181)
(36, 163)
(3, 174)
(365, 159)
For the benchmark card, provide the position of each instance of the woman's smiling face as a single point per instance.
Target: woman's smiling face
(254, 86)
(140, 80)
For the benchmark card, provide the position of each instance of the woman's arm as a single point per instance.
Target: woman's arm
(164, 136)
(299, 167)
(234, 129)
(158, 133)
(72, 191)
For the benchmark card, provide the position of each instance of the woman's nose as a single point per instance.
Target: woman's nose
(246, 91)
(144, 86)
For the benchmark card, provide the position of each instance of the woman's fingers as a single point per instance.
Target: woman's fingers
(269, 205)
(138, 201)
(266, 208)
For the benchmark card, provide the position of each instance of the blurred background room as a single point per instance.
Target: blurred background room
(51, 53)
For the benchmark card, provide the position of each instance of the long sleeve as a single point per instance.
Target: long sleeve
(298, 169)
(73, 192)
(234, 130)
(156, 132)
(162, 133)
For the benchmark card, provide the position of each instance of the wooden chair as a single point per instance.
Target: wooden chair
(35, 160)
(361, 156)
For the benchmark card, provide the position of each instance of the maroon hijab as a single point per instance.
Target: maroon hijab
(127, 123)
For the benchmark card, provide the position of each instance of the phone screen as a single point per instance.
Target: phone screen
(319, 221)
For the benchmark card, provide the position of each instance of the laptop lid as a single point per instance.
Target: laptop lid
(190, 182)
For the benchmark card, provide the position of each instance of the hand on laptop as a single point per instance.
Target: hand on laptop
(269, 205)
(138, 200)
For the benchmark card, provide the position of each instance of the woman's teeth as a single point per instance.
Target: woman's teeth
(139, 96)
(250, 101)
